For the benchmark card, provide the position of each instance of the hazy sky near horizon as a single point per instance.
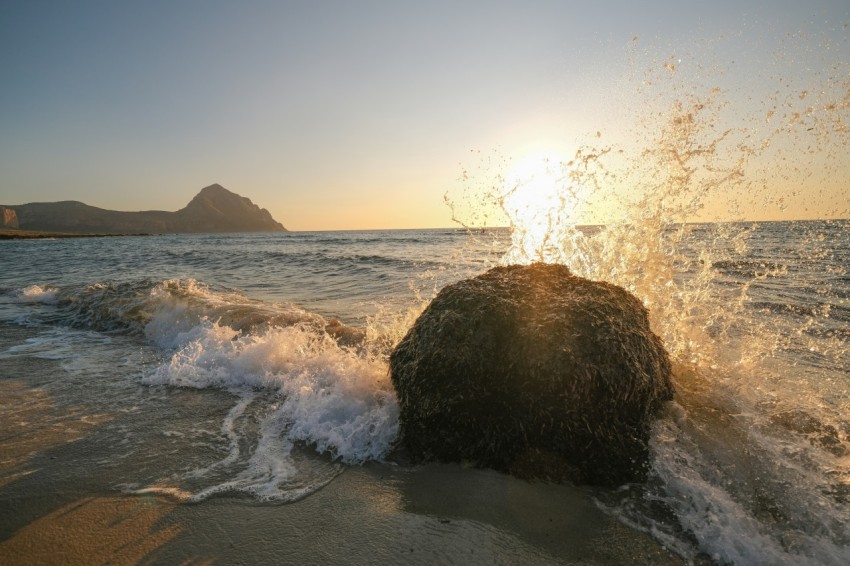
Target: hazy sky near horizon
(356, 115)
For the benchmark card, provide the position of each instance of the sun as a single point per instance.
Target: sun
(539, 197)
(536, 174)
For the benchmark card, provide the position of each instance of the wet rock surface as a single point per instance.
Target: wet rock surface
(535, 371)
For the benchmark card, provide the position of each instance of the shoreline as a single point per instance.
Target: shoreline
(375, 513)
(16, 234)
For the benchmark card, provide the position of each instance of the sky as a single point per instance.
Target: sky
(365, 115)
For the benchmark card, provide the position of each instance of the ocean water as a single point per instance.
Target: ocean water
(255, 365)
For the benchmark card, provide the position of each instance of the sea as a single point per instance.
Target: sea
(254, 366)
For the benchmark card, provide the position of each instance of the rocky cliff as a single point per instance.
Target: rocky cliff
(214, 209)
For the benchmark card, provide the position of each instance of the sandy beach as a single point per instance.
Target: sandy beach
(376, 514)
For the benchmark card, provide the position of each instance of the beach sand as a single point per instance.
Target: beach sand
(372, 514)
(375, 514)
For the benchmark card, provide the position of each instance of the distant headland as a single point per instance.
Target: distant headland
(214, 209)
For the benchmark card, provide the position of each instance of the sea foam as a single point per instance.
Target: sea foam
(316, 393)
(37, 294)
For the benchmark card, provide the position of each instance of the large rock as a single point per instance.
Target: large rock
(531, 369)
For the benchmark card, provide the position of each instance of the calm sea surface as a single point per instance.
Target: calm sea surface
(254, 365)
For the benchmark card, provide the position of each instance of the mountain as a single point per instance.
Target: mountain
(214, 209)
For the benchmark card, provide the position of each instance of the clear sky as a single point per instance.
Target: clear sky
(358, 114)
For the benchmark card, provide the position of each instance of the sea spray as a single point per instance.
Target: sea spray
(732, 478)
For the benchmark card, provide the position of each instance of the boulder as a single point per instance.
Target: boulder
(535, 371)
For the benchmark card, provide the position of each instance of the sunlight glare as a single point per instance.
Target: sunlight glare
(539, 198)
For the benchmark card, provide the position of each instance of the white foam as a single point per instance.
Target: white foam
(37, 294)
(268, 470)
(228, 429)
(726, 529)
(170, 492)
(322, 394)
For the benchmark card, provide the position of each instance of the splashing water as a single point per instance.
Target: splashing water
(751, 465)
(323, 395)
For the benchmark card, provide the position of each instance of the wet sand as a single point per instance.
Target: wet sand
(375, 514)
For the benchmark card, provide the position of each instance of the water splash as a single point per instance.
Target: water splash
(675, 196)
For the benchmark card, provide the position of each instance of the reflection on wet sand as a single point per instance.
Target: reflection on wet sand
(93, 530)
(90, 530)
(31, 423)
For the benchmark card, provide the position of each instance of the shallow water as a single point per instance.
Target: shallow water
(220, 365)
